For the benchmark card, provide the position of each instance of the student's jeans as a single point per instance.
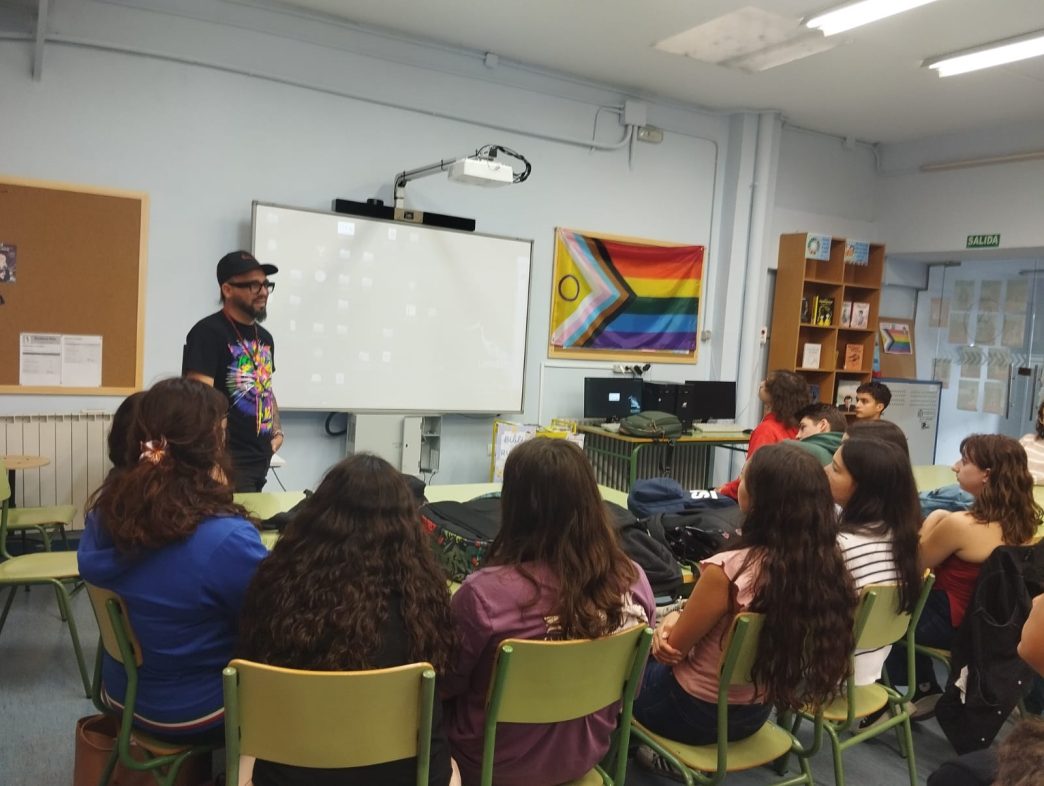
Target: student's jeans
(663, 707)
(934, 629)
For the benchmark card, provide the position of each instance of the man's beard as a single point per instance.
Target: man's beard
(259, 314)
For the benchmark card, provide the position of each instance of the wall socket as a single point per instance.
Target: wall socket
(620, 368)
(763, 335)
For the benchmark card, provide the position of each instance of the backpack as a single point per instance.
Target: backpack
(462, 532)
(652, 425)
(695, 535)
(666, 495)
(648, 549)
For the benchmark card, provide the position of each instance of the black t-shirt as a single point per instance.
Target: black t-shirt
(394, 651)
(241, 360)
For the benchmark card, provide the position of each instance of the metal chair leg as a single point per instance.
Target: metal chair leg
(7, 606)
(65, 606)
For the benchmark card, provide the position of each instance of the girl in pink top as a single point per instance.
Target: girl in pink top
(787, 566)
(783, 393)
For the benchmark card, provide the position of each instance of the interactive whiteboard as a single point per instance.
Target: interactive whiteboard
(372, 315)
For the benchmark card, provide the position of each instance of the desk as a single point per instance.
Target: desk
(17, 462)
(619, 460)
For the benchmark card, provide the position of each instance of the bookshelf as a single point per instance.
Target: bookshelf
(800, 279)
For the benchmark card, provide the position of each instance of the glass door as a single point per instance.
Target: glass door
(982, 324)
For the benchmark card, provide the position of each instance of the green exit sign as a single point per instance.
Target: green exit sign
(983, 241)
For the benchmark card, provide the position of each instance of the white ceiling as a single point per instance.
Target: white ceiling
(871, 87)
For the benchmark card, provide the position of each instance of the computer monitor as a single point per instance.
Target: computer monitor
(711, 400)
(609, 398)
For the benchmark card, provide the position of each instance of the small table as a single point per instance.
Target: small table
(619, 460)
(16, 462)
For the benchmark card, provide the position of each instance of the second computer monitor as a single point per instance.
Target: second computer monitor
(711, 400)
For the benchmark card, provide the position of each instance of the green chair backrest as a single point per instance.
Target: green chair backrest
(114, 624)
(740, 650)
(878, 621)
(5, 503)
(330, 719)
(5, 483)
(553, 681)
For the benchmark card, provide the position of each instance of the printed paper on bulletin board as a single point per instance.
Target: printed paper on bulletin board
(622, 298)
(900, 365)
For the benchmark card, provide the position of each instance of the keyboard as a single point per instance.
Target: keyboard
(717, 428)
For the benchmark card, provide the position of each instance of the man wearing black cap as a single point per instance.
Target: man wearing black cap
(232, 352)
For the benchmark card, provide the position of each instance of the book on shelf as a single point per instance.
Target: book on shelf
(824, 311)
(860, 315)
(813, 390)
(846, 396)
(811, 354)
(846, 313)
(853, 357)
(806, 311)
(857, 253)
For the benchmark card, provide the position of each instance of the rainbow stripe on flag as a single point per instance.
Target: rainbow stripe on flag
(615, 295)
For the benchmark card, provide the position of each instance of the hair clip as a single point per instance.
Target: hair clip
(153, 451)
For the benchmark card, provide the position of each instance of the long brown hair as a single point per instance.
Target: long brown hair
(155, 502)
(322, 598)
(802, 586)
(1007, 496)
(885, 502)
(553, 513)
(788, 392)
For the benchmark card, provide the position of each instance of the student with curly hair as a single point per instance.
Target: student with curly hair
(352, 584)
(873, 483)
(555, 571)
(993, 469)
(1034, 446)
(165, 535)
(787, 566)
(783, 393)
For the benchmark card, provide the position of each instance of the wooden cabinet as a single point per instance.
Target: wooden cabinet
(801, 284)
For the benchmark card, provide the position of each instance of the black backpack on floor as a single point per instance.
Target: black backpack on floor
(696, 535)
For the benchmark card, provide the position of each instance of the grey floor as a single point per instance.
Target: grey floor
(41, 697)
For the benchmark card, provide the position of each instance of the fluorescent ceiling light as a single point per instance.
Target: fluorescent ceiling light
(860, 13)
(995, 54)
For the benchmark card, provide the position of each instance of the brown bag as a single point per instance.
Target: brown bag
(95, 742)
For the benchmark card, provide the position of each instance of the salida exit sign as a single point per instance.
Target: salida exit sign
(983, 241)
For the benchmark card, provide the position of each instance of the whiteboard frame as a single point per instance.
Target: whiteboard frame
(255, 204)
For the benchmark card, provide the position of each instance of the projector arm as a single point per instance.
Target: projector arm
(401, 179)
(486, 152)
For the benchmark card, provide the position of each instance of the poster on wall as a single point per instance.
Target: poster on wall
(958, 332)
(986, 328)
(624, 298)
(1016, 297)
(970, 359)
(994, 398)
(998, 364)
(8, 263)
(963, 295)
(1014, 335)
(989, 296)
(968, 395)
(896, 338)
(941, 369)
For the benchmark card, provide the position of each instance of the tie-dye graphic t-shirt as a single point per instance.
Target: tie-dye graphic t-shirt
(241, 361)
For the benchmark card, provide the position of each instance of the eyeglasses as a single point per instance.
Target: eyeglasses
(253, 286)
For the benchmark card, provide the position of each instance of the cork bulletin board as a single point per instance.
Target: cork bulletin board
(75, 265)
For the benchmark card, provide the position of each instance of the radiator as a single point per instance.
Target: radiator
(76, 447)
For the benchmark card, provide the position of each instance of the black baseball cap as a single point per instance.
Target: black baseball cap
(235, 263)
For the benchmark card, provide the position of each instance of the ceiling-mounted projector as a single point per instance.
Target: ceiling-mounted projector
(481, 172)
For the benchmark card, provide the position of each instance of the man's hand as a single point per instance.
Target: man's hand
(277, 441)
